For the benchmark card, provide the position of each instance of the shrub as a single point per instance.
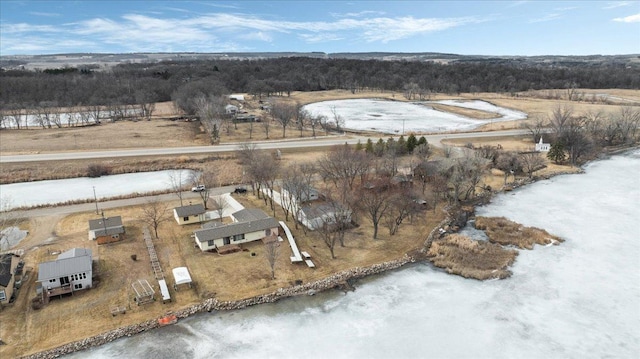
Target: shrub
(134, 257)
(98, 170)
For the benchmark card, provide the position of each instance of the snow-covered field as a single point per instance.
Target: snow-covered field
(397, 117)
(56, 191)
(575, 300)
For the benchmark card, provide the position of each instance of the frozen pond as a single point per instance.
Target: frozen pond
(395, 117)
(576, 300)
(27, 194)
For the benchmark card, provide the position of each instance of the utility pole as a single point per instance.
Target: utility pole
(95, 198)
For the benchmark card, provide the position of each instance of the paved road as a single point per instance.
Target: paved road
(87, 207)
(266, 145)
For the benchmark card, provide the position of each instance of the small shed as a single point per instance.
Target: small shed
(106, 230)
(181, 276)
(144, 292)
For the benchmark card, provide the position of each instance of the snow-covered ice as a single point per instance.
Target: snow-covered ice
(575, 300)
(27, 194)
(394, 117)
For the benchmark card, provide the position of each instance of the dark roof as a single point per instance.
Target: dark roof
(5, 269)
(233, 229)
(109, 222)
(190, 210)
(74, 261)
(249, 214)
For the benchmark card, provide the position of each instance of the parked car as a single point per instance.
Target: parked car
(198, 188)
(240, 190)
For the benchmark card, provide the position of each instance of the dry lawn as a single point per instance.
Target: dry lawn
(468, 258)
(229, 277)
(508, 233)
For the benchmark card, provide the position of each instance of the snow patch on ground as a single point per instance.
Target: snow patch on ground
(395, 117)
(10, 237)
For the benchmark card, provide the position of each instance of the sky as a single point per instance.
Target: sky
(461, 27)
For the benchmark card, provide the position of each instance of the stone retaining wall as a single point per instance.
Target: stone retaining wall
(213, 304)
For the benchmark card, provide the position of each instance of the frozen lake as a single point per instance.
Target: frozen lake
(576, 300)
(26, 194)
(393, 117)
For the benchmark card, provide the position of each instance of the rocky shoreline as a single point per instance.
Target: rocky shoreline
(451, 224)
(212, 304)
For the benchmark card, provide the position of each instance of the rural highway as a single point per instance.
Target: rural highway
(265, 145)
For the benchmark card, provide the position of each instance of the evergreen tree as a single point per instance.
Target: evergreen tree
(412, 142)
(401, 146)
(359, 146)
(422, 140)
(369, 146)
(379, 148)
(556, 153)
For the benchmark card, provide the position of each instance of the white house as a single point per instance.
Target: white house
(193, 213)
(237, 97)
(230, 109)
(72, 271)
(249, 225)
(542, 147)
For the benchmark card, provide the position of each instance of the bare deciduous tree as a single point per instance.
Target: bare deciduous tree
(373, 201)
(284, 113)
(209, 179)
(154, 213)
(177, 184)
(509, 164)
(219, 205)
(272, 251)
(531, 162)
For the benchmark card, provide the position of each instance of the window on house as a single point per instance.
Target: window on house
(186, 219)
(52, 280)
(3, 295)
(84, 275)
(210, 243)
(77, 286)
(238, 237)
(267, 232)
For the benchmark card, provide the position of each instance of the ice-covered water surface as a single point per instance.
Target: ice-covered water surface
(56, 191)
(576, 300)
(394, 116)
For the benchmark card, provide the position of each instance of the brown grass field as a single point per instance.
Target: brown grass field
(228, 277)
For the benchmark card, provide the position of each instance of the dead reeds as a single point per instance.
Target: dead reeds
(508, 233)
(461, 255)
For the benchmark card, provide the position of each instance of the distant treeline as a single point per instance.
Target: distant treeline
(165, 81)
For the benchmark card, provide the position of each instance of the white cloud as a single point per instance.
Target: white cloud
(258, 35)
(45, 14)
(616, 4)
(630, 18)
(548, 17)
(357, 14)
(148, 32)
(318, 38)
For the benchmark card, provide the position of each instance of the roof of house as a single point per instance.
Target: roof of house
(109, 222)
(249, 214)
(321, 209)
(70, 263)
(75, 252)
(236, 228)
(5, 269)
(190, 210)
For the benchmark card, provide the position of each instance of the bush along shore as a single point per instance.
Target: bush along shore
(443, 240)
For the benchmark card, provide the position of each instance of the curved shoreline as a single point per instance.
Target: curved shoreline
(331, 282)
